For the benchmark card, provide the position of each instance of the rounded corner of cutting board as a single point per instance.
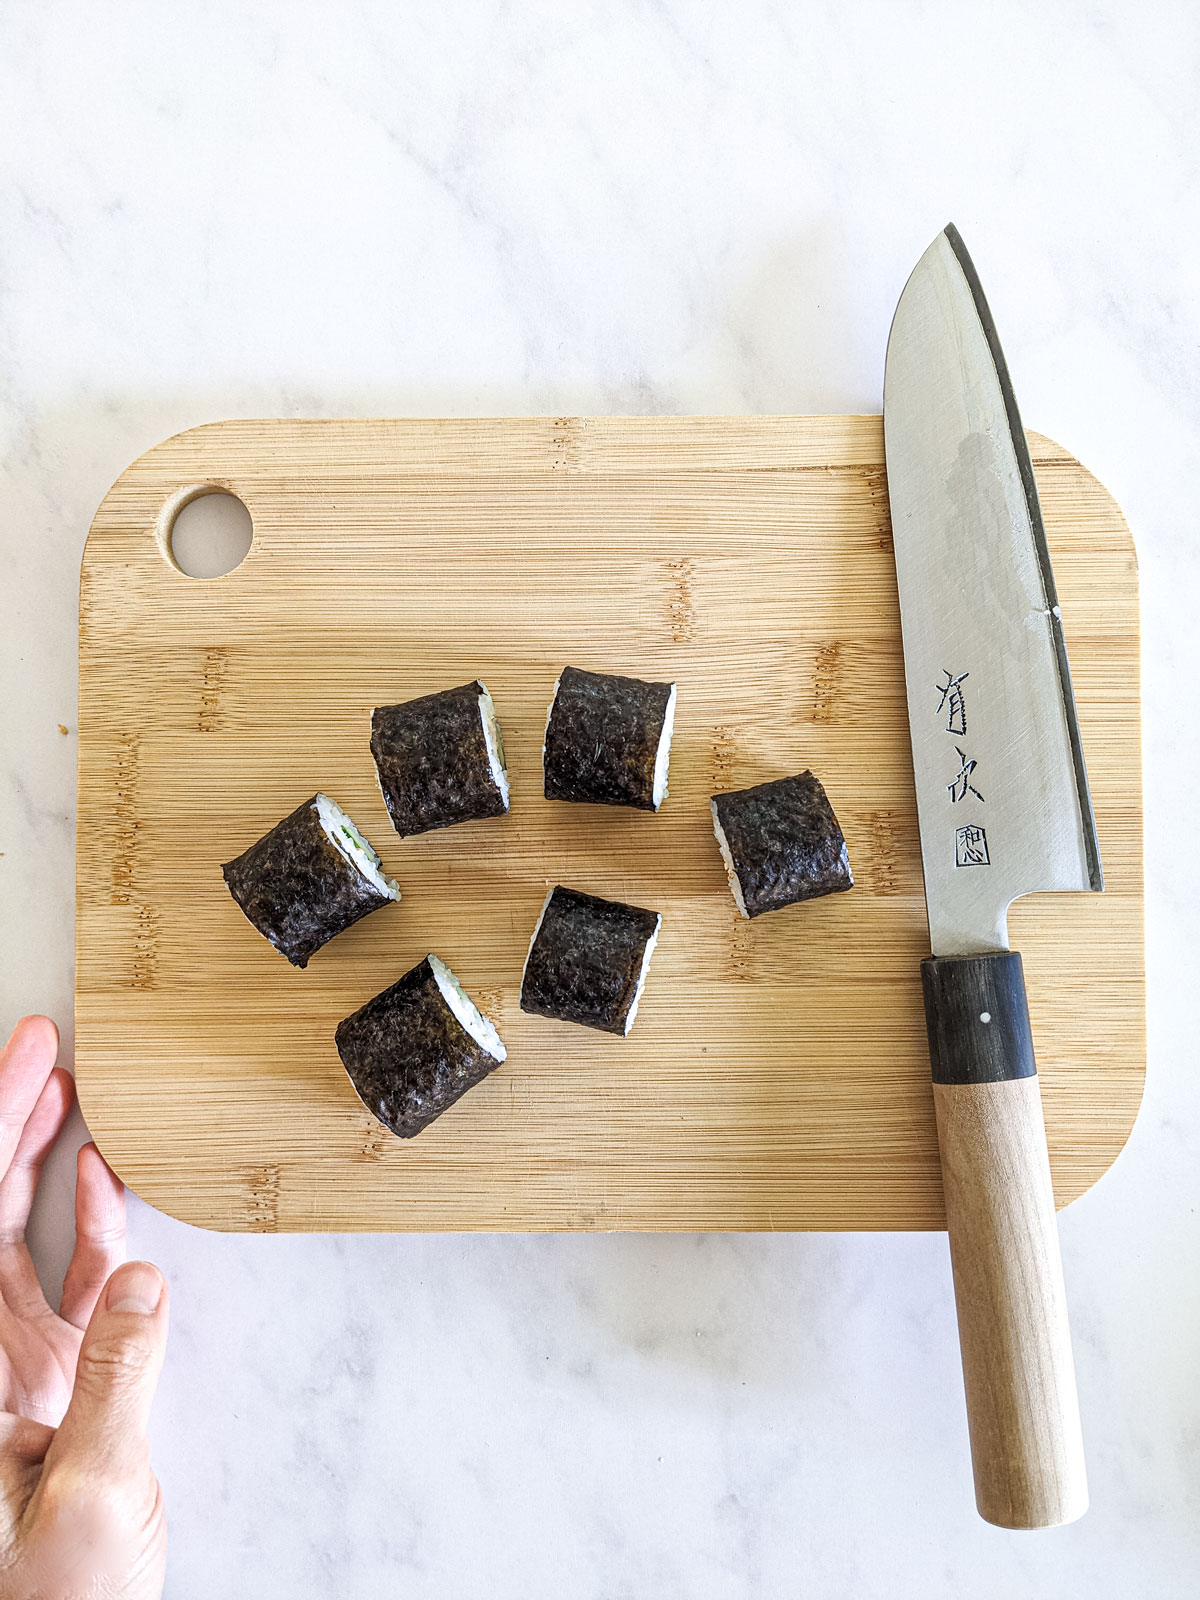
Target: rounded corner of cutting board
(175, 446)
(1047, 453)
(1116, 1143)
(172, 1201)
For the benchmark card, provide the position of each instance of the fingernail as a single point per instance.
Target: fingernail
(136, 1287)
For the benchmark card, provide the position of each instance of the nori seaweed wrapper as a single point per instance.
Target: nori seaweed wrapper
(587, 959)
(784, 842)
(432, 759)
(297, 888)
(408, 1056)
(602, 739)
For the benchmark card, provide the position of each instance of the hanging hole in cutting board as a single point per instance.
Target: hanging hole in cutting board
(205, 531)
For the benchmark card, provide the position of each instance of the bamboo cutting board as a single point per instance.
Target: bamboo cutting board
(777, 1076)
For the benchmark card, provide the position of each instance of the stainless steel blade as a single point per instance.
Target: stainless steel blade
(1002, 791)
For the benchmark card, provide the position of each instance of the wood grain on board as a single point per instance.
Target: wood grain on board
(777, 1076)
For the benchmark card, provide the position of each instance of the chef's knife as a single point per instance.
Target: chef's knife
(1004, 809)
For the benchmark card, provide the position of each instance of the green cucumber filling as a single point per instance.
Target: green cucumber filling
(351, 845)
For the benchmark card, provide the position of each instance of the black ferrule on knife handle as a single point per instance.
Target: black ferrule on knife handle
(977, 1018)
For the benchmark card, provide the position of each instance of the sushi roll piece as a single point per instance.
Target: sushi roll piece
(440, 759)
(418, 1047)
(780, 843)
(608, 740)
(308, 879)
(588, 960)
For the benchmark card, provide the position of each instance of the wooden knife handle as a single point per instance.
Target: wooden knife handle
(1022, 1408)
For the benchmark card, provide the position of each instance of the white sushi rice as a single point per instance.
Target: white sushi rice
(663, 754)
(481, 1029)
(537, 928)
(549, 714)
(495, 743)
(727, 857)
(342, 833)
(642, 975)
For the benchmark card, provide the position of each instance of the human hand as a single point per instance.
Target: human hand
(81, 1513)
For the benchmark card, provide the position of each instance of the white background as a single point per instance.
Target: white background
(215, 210)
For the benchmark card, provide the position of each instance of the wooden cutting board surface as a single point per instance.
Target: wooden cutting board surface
(777, 1075)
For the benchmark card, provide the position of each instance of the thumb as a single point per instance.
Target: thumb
(104, 1429)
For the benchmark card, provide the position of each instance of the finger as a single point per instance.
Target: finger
(102, 1437)
(24, 1440)
(42, 1128)
(20, 1289)
(99, 1235)
(25, 1064)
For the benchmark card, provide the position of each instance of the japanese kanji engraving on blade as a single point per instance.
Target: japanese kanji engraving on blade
(1002, 791)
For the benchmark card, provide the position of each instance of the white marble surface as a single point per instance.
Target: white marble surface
(297, 208)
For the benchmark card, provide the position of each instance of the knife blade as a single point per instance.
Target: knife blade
(1004, 810)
